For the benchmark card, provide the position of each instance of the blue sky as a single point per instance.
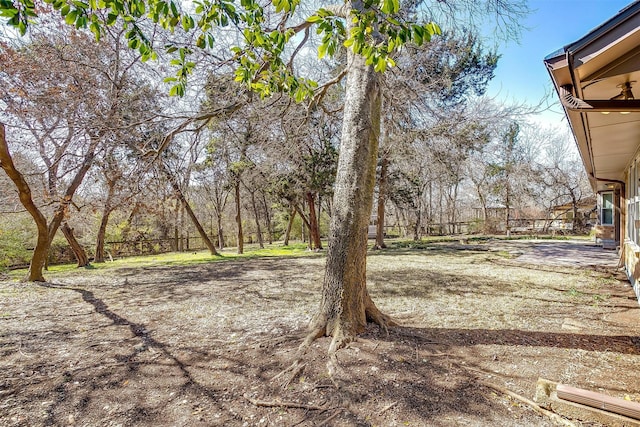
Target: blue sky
(521, 75)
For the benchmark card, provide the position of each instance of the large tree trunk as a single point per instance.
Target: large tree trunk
(239, 218)
(346, 306)
(39, 256)
(314, 228)
(76, 247)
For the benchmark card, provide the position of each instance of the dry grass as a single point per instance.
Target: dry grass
(184, 344)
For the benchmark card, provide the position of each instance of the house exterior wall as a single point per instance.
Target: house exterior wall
(605, 232)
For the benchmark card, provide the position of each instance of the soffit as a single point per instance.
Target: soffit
(607, 142)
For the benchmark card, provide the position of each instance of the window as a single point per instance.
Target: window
(606, 209)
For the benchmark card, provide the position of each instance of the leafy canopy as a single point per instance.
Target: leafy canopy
(376, 31)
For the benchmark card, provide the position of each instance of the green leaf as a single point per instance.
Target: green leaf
(322, 50)
(111, 18)
(387, 7)
(300, 95)
(391, 45)
(201, 42)
(71, 17)
(9, 13)
(95, 29)
(314, 18)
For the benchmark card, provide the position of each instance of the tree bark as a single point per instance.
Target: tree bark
(24, 192)
(346, 305)
(76, 247)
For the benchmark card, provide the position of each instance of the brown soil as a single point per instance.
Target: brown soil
(199, 345)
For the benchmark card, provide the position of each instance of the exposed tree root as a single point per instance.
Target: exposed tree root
(386, 408)
(341, 335)
(557, 419)
(283, 404)
(288, 375)
(327, 420)
(376, 316)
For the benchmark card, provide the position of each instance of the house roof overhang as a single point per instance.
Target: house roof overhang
(591, 78)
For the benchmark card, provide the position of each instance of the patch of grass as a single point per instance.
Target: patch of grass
(574, 293)
(177, 259)
(598, 298)
(504, 254)
(426, 241)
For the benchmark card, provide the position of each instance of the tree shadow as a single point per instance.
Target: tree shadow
(129, 360)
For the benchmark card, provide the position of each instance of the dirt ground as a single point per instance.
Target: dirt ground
(199, 345)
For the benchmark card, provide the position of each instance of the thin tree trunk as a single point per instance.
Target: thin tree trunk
(254, 205)
(346, 305)
(314, 229)
(76, 247)
(62, 208)
(220, 231)
(189, 211)
(102, 230)
(418, 225)
(382, 194)
(267, 219)
(239, 218)
(306, 225)
(127, 228)
(508, 212)
(39, 256)
(287, 233)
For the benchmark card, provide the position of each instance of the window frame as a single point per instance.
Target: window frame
(602, 208)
